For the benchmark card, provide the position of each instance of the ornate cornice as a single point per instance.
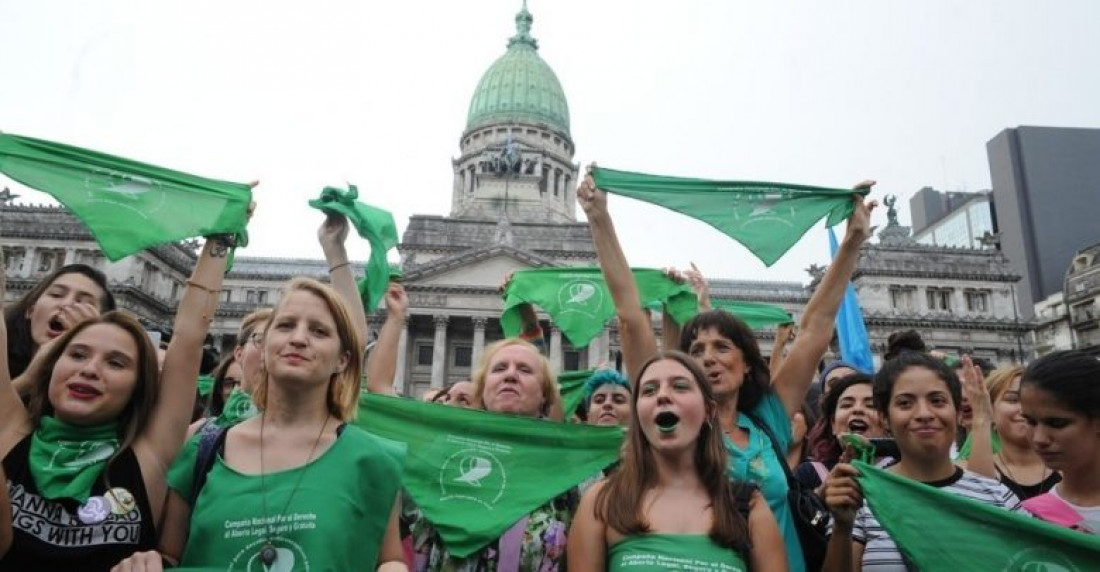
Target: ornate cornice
(475, 255)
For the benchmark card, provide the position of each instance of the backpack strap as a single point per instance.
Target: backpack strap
(211, 441)
(1053, 509)
(822, 472)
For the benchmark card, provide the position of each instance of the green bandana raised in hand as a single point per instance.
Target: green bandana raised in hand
(579, 303)
(372, 223)
(128, 206)
(768, 218)
(238, 407)
(66, 460)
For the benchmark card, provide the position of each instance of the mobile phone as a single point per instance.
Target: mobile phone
(885, 447)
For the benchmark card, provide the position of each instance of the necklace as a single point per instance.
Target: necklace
(267, 553)
(1042, 475)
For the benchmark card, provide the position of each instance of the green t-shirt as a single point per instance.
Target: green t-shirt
(335, 521)
(660, 552)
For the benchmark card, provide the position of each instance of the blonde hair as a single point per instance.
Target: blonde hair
(342, 397)
(1000, 380)
(251, 323)
(548, 379)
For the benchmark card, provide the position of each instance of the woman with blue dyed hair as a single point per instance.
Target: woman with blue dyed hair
(607, 399)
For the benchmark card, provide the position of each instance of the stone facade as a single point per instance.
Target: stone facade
(959, 299)
(1082, 295)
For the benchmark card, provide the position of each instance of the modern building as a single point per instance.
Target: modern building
(951, 218)
(1082, 295)
(1046, 181)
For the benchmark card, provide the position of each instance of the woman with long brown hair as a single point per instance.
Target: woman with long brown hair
(754, 404)
(670, 501)
(86, 458)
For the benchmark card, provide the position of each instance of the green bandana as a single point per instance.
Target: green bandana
(238, 407)
(475, 473)
(66, 460)
(754, 314)
(571, 387)
(964, 451)
(937, 530)
(768, 218)
(372, 223)
(205, 385)
(127, 205)
(579, 303)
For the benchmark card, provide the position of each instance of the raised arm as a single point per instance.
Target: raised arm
(382, 363)
(981, 456)
(160, 440)
(636, 334)
(332, 234)
(793, 379)
(783, 334)
(16, 423)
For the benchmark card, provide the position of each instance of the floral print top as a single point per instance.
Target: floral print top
(541, 549)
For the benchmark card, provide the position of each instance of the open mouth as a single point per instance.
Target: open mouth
(54, 327)
(858, 426)
(667, 421)
(83, 391)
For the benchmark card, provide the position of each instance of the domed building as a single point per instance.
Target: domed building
(513, 206)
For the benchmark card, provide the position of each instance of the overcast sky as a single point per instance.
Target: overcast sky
(305, 94)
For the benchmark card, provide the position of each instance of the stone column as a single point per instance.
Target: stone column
(439, 350)
(555, 348)
(594, 352)
(402, 358)
(70, 256)
(29, 262)
(479, 339)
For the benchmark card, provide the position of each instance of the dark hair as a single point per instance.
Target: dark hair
(21, 346)
(216, 401)
(1072, 376)
(757, 382)
(620, 502)
(905, 340)
(823, 443)
(888, 375)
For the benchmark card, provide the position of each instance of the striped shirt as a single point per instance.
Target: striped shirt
(880, 554)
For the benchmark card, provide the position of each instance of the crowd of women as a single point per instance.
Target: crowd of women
(723, 458)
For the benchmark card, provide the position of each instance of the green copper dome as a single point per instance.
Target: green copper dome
(519, 86)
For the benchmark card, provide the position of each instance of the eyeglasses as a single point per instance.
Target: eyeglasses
(256, 339)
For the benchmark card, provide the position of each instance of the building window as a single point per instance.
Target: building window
(939, 299)
(901, 298)
(226, 295)
(571, 360)
(48, 260)
(424, 354)
(977, 301)
(13, 259)
(463, 356)
(256, 297)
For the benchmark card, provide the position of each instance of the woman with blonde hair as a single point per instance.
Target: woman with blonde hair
(512, 377)
(670, 503)
(1018, 466)
(253, 504)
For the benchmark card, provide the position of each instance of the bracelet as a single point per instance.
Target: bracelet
(201, 287)
(339, 266)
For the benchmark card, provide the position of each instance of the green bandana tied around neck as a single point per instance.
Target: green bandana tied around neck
(579, 303)
(128, 206)
(238, 407)
(66, 460)
(767, 218)
(372, 223)
(937, 530)
(473, 473)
